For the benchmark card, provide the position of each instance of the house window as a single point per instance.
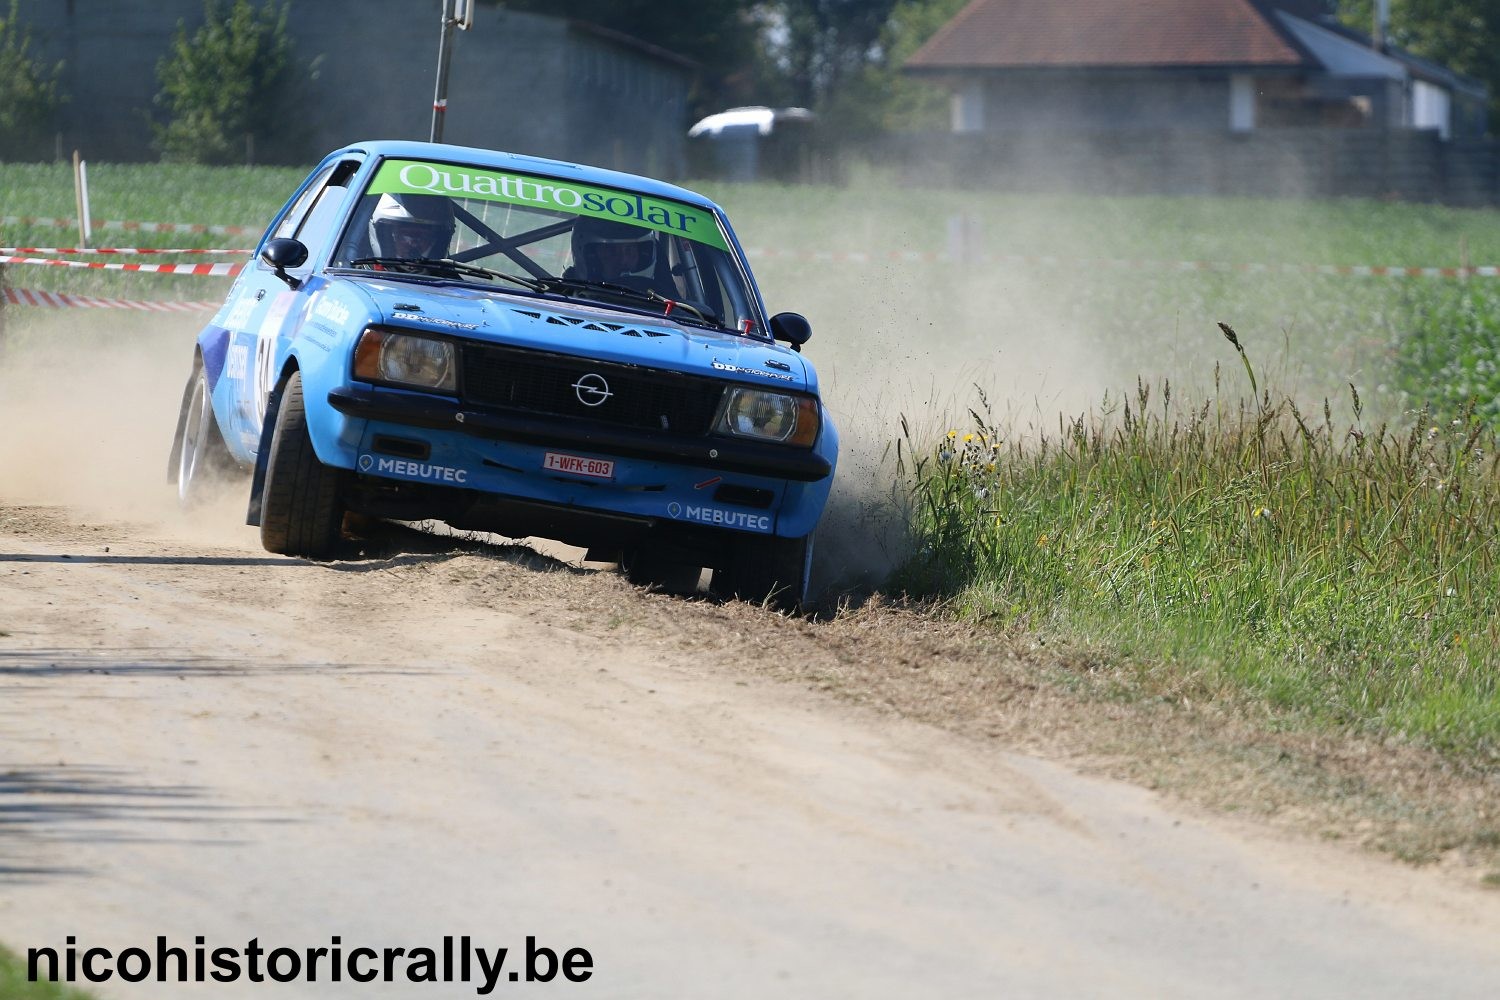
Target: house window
(1430, 108)
(968, 107)
(1241, 103)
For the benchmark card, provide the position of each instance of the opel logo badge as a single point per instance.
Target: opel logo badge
(591, 389)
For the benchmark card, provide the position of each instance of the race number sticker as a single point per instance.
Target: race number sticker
(265, 349)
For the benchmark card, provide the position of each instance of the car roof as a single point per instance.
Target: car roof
(499, 160)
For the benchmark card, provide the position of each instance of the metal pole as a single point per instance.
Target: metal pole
(445, 53)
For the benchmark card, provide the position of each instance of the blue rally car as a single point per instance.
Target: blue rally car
(517, 345)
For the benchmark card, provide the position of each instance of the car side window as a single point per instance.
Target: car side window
(318, 229)
(293, 220)
(312, 219)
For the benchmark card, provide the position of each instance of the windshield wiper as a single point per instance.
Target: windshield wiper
(702, 314)
(568, 285)
(447, 265)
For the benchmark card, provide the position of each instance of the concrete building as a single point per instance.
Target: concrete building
(366, 68)
(1231, 66)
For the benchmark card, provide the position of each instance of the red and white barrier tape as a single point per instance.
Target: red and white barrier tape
(820, 256)
(119, 250)
(132, 227)
(210, 270)
(1351, 270)
(30, 297)
(846, 257)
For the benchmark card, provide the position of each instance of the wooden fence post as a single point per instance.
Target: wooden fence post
(965, 243)
(3, 309)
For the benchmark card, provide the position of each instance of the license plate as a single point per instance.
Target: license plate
(595, 468)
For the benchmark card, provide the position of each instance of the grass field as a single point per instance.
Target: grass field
(15, 986)
(1084, 455)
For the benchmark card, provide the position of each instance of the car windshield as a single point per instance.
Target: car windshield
(552, 237)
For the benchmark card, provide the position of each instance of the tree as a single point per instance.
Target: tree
(819, 44)
(1463, 35)
(716, 34)
(905, 103)
(847, 64)
(29, 100)
(224, 85)
(841, 57)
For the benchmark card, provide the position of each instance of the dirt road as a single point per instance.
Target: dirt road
(438, 739)
(197, 739)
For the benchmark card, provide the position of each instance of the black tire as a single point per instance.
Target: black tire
(301, 512)
(645, 569)
(767, 570)
(202, 461)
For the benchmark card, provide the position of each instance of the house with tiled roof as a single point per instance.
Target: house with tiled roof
(1210, 65)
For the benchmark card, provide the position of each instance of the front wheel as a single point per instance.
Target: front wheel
(203, 459)
(646, 569)
(767, 570)
(301, 510)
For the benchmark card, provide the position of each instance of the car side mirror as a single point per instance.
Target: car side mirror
(792, 328)
(283, 253)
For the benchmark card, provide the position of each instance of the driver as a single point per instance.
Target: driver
(411, 226)
(617, 252)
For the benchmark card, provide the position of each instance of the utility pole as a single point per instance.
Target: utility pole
(456, 14)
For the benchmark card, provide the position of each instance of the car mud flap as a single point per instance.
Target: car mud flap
(267, 429)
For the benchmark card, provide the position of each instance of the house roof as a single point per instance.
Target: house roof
(1341, 54)
(1030, 34)
(1417, 67)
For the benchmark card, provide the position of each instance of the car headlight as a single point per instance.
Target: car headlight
(770, 416)
(405, 359)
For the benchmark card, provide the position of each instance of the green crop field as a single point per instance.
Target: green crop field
(15, 986)
(1305, 517)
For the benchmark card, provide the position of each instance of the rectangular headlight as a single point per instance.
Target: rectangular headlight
(770, 416)
(405, 359)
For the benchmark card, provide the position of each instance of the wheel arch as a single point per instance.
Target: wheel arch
(263, 450)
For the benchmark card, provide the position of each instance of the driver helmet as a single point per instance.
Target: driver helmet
(605, 250)
(411, 225)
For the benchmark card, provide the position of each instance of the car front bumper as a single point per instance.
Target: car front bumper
(417, 457)
(716, 454)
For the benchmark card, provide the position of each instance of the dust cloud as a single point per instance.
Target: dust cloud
(921, 347)
(89, 400)
(88, 406)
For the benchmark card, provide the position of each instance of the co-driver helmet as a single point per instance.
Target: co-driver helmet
(604, 249)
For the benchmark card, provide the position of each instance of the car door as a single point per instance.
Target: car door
(268, 307)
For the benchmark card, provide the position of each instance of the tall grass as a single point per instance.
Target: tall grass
(15, 986)
(1340, 570)
(1447, 349)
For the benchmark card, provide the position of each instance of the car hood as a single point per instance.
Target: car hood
(586, 330)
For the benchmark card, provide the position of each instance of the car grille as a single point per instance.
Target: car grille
(539, 382)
